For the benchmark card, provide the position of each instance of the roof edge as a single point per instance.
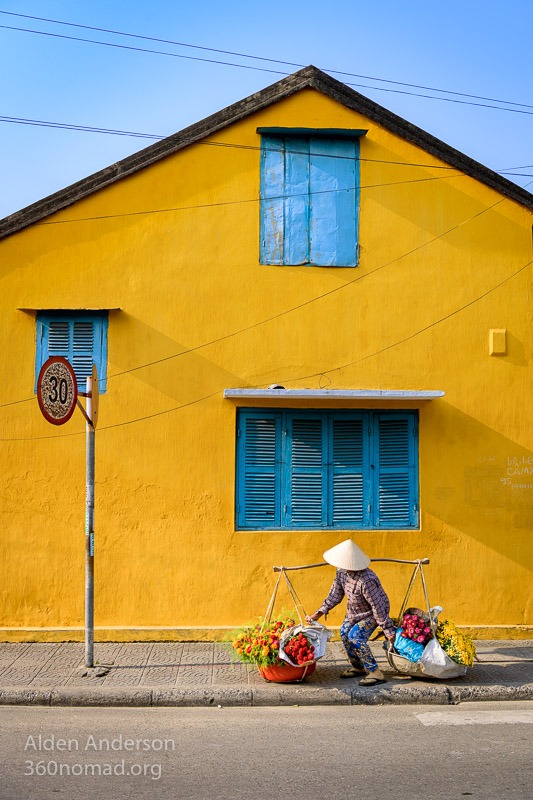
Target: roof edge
(308, 77)
(155, 152)
(431, 144)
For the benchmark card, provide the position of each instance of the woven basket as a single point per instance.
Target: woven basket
(401, 664)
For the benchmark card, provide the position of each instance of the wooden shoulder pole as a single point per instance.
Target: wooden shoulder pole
(325, 563)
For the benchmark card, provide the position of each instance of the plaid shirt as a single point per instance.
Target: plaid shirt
(365, 595)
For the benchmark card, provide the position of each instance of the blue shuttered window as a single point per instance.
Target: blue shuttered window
(309, 201)
(304, 475)
(349, 454)
(79, 337)
(394, 458)
(323, 469)
(260, 437)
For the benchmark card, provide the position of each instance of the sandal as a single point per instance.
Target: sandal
(370, 680)
(352, 672)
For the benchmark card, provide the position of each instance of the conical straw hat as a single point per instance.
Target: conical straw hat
(347, 555)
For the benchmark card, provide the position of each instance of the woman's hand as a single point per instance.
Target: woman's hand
(313, 617)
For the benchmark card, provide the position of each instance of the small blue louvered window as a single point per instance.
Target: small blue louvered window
(322, 469)
(309, 200)
(79, 337)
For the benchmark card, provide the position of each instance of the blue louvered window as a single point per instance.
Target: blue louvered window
(325, 469)
(309, 200)
(80, 337)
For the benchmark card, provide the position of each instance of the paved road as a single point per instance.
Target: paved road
(479, 750)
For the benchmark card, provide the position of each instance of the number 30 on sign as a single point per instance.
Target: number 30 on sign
(57, 390)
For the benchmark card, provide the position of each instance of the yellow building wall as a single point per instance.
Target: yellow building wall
(444, 259)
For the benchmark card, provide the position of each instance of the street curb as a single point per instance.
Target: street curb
(468, 694)
(401, 695)
(279, 694)
(202, 696)
(25, 697)
(271, 695)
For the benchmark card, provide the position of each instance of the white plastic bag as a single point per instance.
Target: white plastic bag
(436, 664)
(317, 634)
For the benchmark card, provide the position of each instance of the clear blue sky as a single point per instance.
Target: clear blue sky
(478, 47)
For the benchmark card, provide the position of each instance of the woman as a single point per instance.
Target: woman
(367, 607)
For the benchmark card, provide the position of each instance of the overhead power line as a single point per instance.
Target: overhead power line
(420, 330)
(139, 49)
(297, 307)
(511, 171)
(234, 145)
(314, 299)
(176, 209)
(245, 201)
(17, 402)
(520, 109)
(306, 302)
(303, 377)
(41, 123)
(260, 58)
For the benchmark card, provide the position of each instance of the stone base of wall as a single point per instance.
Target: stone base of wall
(209, 634)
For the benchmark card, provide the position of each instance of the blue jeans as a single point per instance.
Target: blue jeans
(355, 640)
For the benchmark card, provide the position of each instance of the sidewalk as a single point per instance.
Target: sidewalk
(202, 674)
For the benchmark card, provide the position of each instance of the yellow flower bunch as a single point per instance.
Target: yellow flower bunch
(458, 646)
(259, 644)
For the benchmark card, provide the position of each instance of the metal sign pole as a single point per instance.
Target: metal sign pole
(57, 393)
(89, 532)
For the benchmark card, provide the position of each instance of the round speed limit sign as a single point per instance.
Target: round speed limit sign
(57, 390)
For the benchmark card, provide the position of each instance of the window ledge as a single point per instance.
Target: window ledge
(333, 394)
(68, 309)
(317, 133)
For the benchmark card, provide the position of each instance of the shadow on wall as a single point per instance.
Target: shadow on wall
(477, 481)
(391, 187)
(183, 377)
(516, 353)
